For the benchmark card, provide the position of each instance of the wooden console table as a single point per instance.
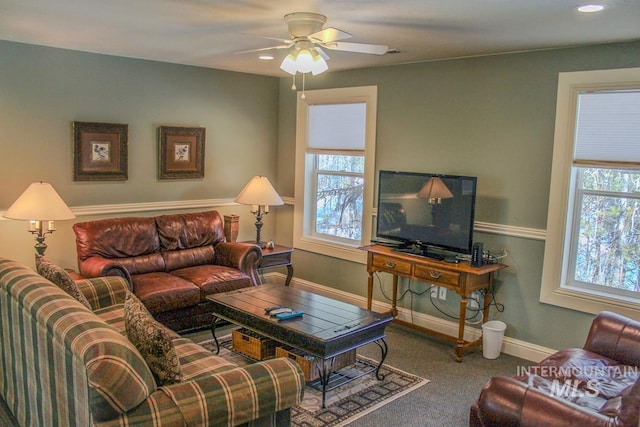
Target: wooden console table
(460, 277)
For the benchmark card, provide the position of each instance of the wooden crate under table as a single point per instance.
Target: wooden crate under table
(252, 344)
(310, 364)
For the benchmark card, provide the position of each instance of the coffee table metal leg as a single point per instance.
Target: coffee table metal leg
(325, 375)
(214, 324)
(385, 349)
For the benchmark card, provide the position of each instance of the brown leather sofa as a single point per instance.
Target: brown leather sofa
(597, 385)
(172, 262)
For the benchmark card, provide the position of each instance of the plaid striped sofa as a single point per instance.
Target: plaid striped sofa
(62, 364)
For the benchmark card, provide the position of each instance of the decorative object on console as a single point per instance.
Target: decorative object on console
(231, 227)
(260, 194)
(435, 190)
(37, 204)
(100, 151)
(181, 152)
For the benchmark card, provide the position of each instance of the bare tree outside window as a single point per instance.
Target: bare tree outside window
(608, 244)
(339, 195)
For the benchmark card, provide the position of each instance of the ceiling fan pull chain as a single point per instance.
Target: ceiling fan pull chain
(293, 86)
(303, 96)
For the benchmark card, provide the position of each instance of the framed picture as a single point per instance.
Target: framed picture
(100, 151)
(181, 152)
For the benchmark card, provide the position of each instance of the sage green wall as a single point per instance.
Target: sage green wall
(43, 90)
(492, 117)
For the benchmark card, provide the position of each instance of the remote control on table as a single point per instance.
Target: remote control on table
(278, 311)
(285, 316)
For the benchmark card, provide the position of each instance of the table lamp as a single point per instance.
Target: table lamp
(38, 204)
(260, 194)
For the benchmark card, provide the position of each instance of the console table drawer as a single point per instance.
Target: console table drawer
(436, 276)
(391, 265)
(275, 260)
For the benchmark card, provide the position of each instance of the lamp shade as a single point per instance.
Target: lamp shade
(259, 191)
(39, 202)
(435, 190)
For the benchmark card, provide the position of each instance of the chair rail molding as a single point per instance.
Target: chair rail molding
(122, 208)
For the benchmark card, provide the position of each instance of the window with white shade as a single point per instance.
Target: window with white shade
(335, 145)
(592, 253)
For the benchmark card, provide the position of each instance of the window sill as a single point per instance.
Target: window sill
(328, 248)
(593, 303)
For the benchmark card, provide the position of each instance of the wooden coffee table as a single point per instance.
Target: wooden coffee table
(327, 329)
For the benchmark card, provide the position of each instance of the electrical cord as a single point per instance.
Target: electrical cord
(475, 311)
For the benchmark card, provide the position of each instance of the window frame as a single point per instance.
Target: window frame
(304, 237)
(560, 217)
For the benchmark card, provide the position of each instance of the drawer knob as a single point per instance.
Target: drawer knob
(390, 264)
(435, 274)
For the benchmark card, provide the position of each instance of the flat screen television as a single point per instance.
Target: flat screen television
(428, 213)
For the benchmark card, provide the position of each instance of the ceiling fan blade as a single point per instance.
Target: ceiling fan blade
(278, 39)
(375, 49)
(322, 53)
(329, 35)
(283, 46)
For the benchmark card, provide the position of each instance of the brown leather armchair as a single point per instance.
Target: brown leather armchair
(597, 385)
(172, 262)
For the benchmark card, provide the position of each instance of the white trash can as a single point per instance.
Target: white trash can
(492, 334)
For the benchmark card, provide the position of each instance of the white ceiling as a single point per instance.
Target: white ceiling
(208, 33)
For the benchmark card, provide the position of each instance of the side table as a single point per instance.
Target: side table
(278, 256)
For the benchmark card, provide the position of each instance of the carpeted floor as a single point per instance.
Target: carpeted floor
(445, 401)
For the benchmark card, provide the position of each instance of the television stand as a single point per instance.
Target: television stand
(460, 277)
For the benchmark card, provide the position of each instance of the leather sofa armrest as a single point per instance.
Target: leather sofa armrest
(616, 337)
(98, 267)
(508, 402)
(239, 395)
(245, 257)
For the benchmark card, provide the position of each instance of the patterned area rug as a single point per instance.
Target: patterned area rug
(345, 403)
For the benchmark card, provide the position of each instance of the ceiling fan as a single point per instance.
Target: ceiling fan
(308, 40)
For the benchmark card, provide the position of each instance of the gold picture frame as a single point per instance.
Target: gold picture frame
(181, 152)
(100, 151)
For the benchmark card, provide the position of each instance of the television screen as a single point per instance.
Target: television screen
(428, 210)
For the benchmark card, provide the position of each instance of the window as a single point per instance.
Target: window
(592, 252)
(335, 148)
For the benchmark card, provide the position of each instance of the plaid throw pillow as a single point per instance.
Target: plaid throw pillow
(152, 340)
(60, 278)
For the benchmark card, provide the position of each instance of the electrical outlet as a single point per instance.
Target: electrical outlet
(434, 291)
(442, 293)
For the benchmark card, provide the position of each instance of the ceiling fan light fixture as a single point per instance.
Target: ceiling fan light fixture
(319, 65)
(289, 64)
(304, 61)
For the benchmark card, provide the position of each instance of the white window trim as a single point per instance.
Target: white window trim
(556, 252)
(367, 94)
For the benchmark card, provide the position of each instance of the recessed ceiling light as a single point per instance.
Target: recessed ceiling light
(266, 57)
(590, 8)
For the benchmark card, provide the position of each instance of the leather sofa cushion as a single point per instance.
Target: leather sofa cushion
(161, 292)
(116, 238)
(212, 279)
(142, 264)
(189, 230)
(189, 257)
